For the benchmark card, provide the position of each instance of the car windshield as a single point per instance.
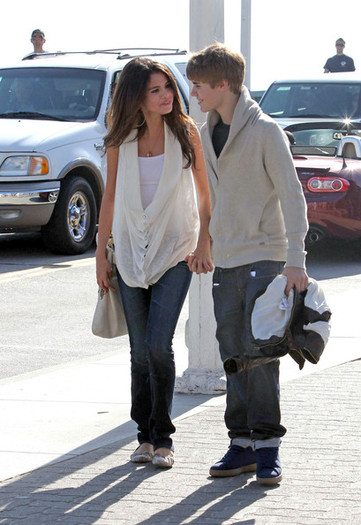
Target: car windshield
(321, 136)
(321, 139)
(51, 93)
(313, 100)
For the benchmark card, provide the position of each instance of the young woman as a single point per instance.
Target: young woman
(160, 236)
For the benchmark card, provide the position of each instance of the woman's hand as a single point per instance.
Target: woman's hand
(103, 267)
(104, 272)
(200, 261)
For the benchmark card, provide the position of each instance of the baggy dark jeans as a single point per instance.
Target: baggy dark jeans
(152, 315)
(253, 408)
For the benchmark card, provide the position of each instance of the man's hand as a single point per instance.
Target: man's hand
(295, 277)
(199, 262)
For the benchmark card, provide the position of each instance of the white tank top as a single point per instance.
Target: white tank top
(150, 170)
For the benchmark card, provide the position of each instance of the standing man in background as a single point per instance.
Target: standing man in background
(38, 40)
(339, 62)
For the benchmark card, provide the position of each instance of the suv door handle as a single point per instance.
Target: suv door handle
(99, 146)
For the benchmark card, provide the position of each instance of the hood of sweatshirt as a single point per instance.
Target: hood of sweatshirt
(247, 111)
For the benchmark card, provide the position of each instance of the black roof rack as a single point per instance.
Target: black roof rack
(122, 52)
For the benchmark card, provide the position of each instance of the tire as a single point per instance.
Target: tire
(315, 235)
(72, 226)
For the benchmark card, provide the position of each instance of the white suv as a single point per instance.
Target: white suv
(52, 123)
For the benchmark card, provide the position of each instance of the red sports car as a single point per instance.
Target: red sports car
(327, 156)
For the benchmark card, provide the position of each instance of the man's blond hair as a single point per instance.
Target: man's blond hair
(216, 63)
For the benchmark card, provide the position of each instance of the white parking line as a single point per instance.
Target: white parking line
(43, 270)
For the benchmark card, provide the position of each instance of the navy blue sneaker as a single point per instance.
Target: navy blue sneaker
(236, 461)
(269, 470)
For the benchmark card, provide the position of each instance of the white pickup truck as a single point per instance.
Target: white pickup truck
(52, 123)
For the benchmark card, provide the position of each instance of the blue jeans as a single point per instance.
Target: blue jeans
(253, 408)
(152, 315)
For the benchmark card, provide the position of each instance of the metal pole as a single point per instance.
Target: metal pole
(205, 372)
(246, 39)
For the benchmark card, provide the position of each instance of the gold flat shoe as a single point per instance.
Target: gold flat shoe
(141, 457)
(163, 461)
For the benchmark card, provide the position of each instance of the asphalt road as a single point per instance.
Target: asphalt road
(46, 307)
(47, 302)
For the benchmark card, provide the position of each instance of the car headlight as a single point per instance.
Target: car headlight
(25, 165)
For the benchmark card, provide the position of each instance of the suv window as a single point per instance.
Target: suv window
(182, 68)
(302, 100)
(54, 93)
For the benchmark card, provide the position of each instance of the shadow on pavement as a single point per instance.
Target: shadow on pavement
(22, 251)
(235, 497)
(95, 493)
(89, 495)
(102, 490)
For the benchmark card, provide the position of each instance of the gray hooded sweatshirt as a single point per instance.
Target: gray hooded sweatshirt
(258, 206)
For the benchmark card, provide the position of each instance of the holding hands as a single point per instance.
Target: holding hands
(200, 261)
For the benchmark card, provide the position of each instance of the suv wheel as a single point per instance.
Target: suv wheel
(72, 226)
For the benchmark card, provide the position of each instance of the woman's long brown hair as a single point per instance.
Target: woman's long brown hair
(125, 113)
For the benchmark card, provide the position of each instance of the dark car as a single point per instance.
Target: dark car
(327, 157)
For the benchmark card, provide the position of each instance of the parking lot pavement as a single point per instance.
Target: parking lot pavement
(321, 455)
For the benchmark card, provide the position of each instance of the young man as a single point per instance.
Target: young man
(258, 226)
(38, 40)
(339, 62)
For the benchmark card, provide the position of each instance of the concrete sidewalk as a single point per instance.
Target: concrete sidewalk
(55, 414)
(321, 456)
(66, 438)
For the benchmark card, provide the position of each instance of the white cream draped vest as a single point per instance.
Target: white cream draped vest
(150, 241)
